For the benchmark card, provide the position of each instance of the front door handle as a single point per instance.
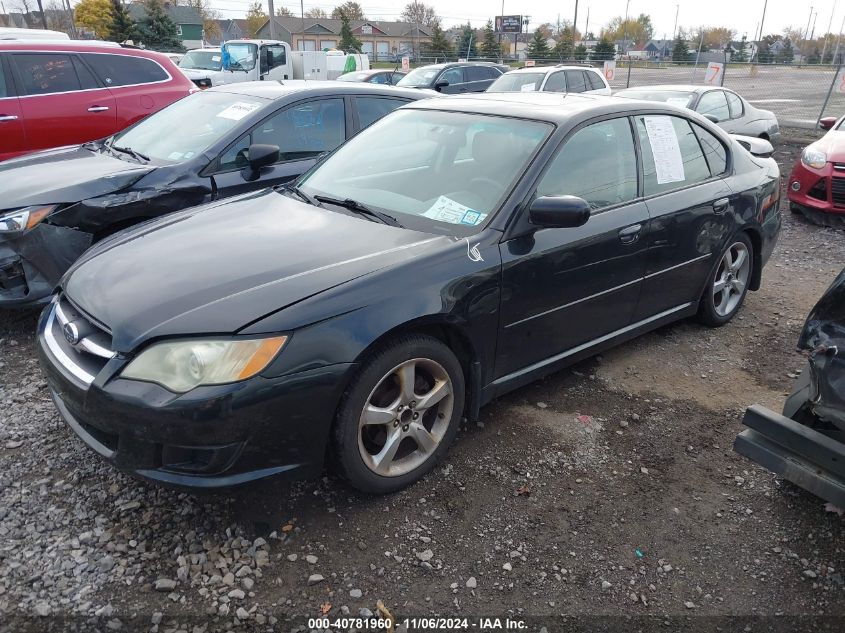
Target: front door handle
(721, 205)
(98, 108)
(8, 117)
(630, 234)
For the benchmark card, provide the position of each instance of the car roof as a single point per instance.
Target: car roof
(676, 88)
(280, 89)
(453, 64)
(548, 69)
(551, 107)
(76, 46)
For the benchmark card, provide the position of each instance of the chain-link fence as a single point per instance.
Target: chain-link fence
(798, 95)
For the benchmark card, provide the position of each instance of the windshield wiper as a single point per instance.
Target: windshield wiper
(361, 209)
(300, 193)
(128, 150)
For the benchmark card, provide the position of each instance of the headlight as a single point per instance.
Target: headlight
(814, 158)
(24, 219)
(182, 365)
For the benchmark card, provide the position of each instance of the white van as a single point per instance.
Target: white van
(8, 33)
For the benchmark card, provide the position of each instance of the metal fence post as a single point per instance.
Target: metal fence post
(829, 92)
(628, 80)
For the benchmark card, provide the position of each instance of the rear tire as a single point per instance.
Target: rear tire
(399, 414)
(728, 283)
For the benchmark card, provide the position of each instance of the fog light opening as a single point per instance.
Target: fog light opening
(795, 186)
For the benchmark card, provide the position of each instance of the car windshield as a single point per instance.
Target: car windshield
(680, 98)
(240, 56)
(202, 60)
(440, 172)
(419, 77)
(165, 136)
(359, 76)
(517, 82)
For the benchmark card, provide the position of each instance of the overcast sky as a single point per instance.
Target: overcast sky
(741, 15)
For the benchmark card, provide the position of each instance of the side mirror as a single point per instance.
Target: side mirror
(827, 122)
(439, 85)
(564, 212)
(259, 156)
(711, 117)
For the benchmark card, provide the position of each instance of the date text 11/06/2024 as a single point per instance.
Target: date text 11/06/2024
(420, 624)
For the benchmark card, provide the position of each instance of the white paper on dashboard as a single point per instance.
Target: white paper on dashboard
(238, 110)
(527, 88)
(678, 101)
(668, 162)
(447, 210)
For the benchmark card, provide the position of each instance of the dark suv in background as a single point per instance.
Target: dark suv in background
(454, 78)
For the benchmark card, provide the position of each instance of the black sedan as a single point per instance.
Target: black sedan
(211, 145)
(455, 250)
(374, 76)
(454, 77)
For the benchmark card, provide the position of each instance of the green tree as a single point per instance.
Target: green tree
(157, 30)
(787, 54)
(255, 18)
(440, 46)
(419, 13)
(352, 11)
(764, 49)
(580, 53)
(741, 55)
(348, 42)
(96, 15)
(563, 48)
(604, 50)
(467, 43)
(639, 29)
(680, 49)
(122, 26)
(815, 57)
(538, 47)
(489, 44)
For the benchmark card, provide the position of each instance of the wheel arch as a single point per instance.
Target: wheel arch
(757, 261)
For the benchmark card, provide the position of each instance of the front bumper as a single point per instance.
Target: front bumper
(819, 190)
(209, 438)
(33, 262)
(797, 453)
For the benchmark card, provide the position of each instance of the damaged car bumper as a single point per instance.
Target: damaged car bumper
(33, 261)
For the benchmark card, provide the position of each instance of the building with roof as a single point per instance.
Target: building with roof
(187, 19)
(380, 40)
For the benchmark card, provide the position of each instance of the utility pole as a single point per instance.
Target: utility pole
(763, 19)
(586, 28)
(807, 30)
(625, 28)
(501, 24)
(813, 32)
(827, 35)
(272, 19)
(43, 17)
(575, 23)
(675, 28)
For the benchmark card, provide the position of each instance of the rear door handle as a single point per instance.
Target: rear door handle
(98, 108)
(630, 234)
(8, 117)
(721, 205)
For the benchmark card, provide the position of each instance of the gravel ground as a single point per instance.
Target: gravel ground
(607, 490)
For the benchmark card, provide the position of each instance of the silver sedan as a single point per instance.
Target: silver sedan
(724, 107)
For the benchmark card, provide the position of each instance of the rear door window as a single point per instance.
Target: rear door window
(555, 83)
(124, 70)
(671, 154)
(453, 76)
(734, 105)
(714, 103)
(575, 81)
(371, 109)
(46, 73)
(4, 92)
(714, 151)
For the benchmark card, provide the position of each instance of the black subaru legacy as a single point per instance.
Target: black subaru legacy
(208, 146)
(453, 251)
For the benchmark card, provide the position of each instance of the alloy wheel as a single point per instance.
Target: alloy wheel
(405, 417)
(731, 279)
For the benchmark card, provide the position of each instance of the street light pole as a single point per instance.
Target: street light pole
(272, 21)
(829, 25)
(625, 28)
(675, 29)
(763, 19)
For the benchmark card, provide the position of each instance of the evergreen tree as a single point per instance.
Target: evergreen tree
(604, 50)
(680, 50)
(580, 53)
(348, 42)
(122, 26)
(563, 48)
(467, 44)
(537, 48)
(740, 55)
(157, 30)
(489, 46)
(787, 54)
(815, 57)
(440, 46)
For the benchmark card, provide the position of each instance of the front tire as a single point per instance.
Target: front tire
(728, 284)
(399, 414)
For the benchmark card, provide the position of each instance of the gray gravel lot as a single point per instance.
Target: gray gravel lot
(609, 489)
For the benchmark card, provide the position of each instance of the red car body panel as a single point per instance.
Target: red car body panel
(821, 189)
(33, 122)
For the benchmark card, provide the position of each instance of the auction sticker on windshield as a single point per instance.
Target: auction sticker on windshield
(447, 210)
(238, 110)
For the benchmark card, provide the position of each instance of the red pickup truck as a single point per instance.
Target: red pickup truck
(65, 93)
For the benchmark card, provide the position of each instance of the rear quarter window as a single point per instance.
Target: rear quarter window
(575, 81)
(125, 70)
(595, 81)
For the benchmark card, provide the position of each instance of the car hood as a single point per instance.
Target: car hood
(832, 144)
(64, 175)
(217, 268)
